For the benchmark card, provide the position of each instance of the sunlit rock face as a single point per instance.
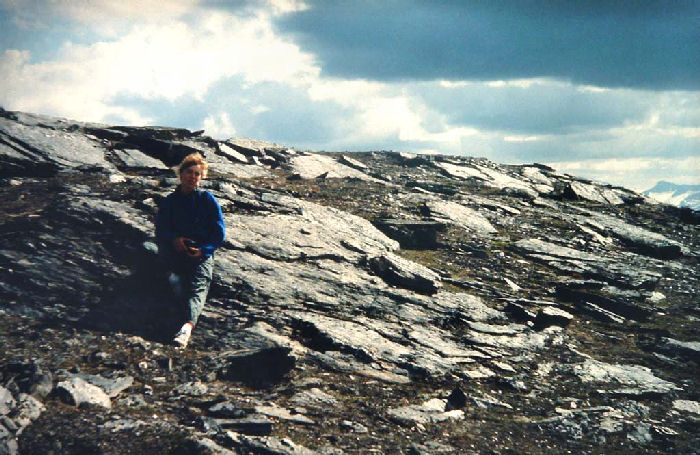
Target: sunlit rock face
(362, 303)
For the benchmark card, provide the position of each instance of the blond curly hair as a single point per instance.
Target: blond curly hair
(193, 159)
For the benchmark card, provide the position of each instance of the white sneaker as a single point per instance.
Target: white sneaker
(183, 336)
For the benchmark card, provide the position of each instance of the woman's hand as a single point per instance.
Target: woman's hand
(180, 245)
(194, 253)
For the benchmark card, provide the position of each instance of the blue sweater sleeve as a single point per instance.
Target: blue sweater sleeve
(217, 229)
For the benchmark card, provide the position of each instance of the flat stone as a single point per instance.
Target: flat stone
(112, 387)
(346, 160)
(599, 313)
(77, 391)
(642, 240)
(204, 446)
(549, 316)
(314, 398)
(115, 426)
(431, 411)
(461, 172)
(593, 193)
(312, 166)
(401, 272)
(354, 427)
(226, 409)
(364, 342)
(488, 402)
(232, 153)
(459, 215)
(7, 401)
(252, 425)
(267, 445)
(638, 379)
(194, 389)
(134, 158)
(133, 401)
(435, 448)
(283, 414)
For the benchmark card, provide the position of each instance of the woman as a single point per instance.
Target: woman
(189, 228)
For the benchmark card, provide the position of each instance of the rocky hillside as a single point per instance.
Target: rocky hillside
(373, 303)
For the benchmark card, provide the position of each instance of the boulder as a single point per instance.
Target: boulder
(77, 391)
(549, 316)
(111, 386)
(7, 401)
(226, 410)
(412, 234)
(28, 410)
(401, 272)
(593, 193)
(431, 411)
(257, 361)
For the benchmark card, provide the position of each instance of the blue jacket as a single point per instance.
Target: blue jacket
(196, 216)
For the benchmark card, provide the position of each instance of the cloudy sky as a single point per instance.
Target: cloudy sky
(607, 90)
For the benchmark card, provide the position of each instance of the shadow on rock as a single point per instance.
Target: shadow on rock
(141, 304)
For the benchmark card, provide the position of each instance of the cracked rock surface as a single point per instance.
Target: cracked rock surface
(362, 303)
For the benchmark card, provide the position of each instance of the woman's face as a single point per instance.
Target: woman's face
(190, 178)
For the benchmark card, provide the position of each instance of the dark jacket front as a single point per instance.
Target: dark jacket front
(196, 216)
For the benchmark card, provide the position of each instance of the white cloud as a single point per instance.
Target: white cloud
(153, 61)
(219, 126)
(104, 17)
(520, 138)
(635, 173)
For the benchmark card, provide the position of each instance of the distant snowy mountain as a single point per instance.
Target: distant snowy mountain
(679, 195)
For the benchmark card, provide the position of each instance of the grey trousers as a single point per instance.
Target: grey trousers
(190, 282)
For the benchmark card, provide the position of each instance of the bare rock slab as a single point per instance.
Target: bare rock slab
(635, 380)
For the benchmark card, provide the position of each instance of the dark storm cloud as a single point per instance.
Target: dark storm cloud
(641, 44)
(535, 109)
